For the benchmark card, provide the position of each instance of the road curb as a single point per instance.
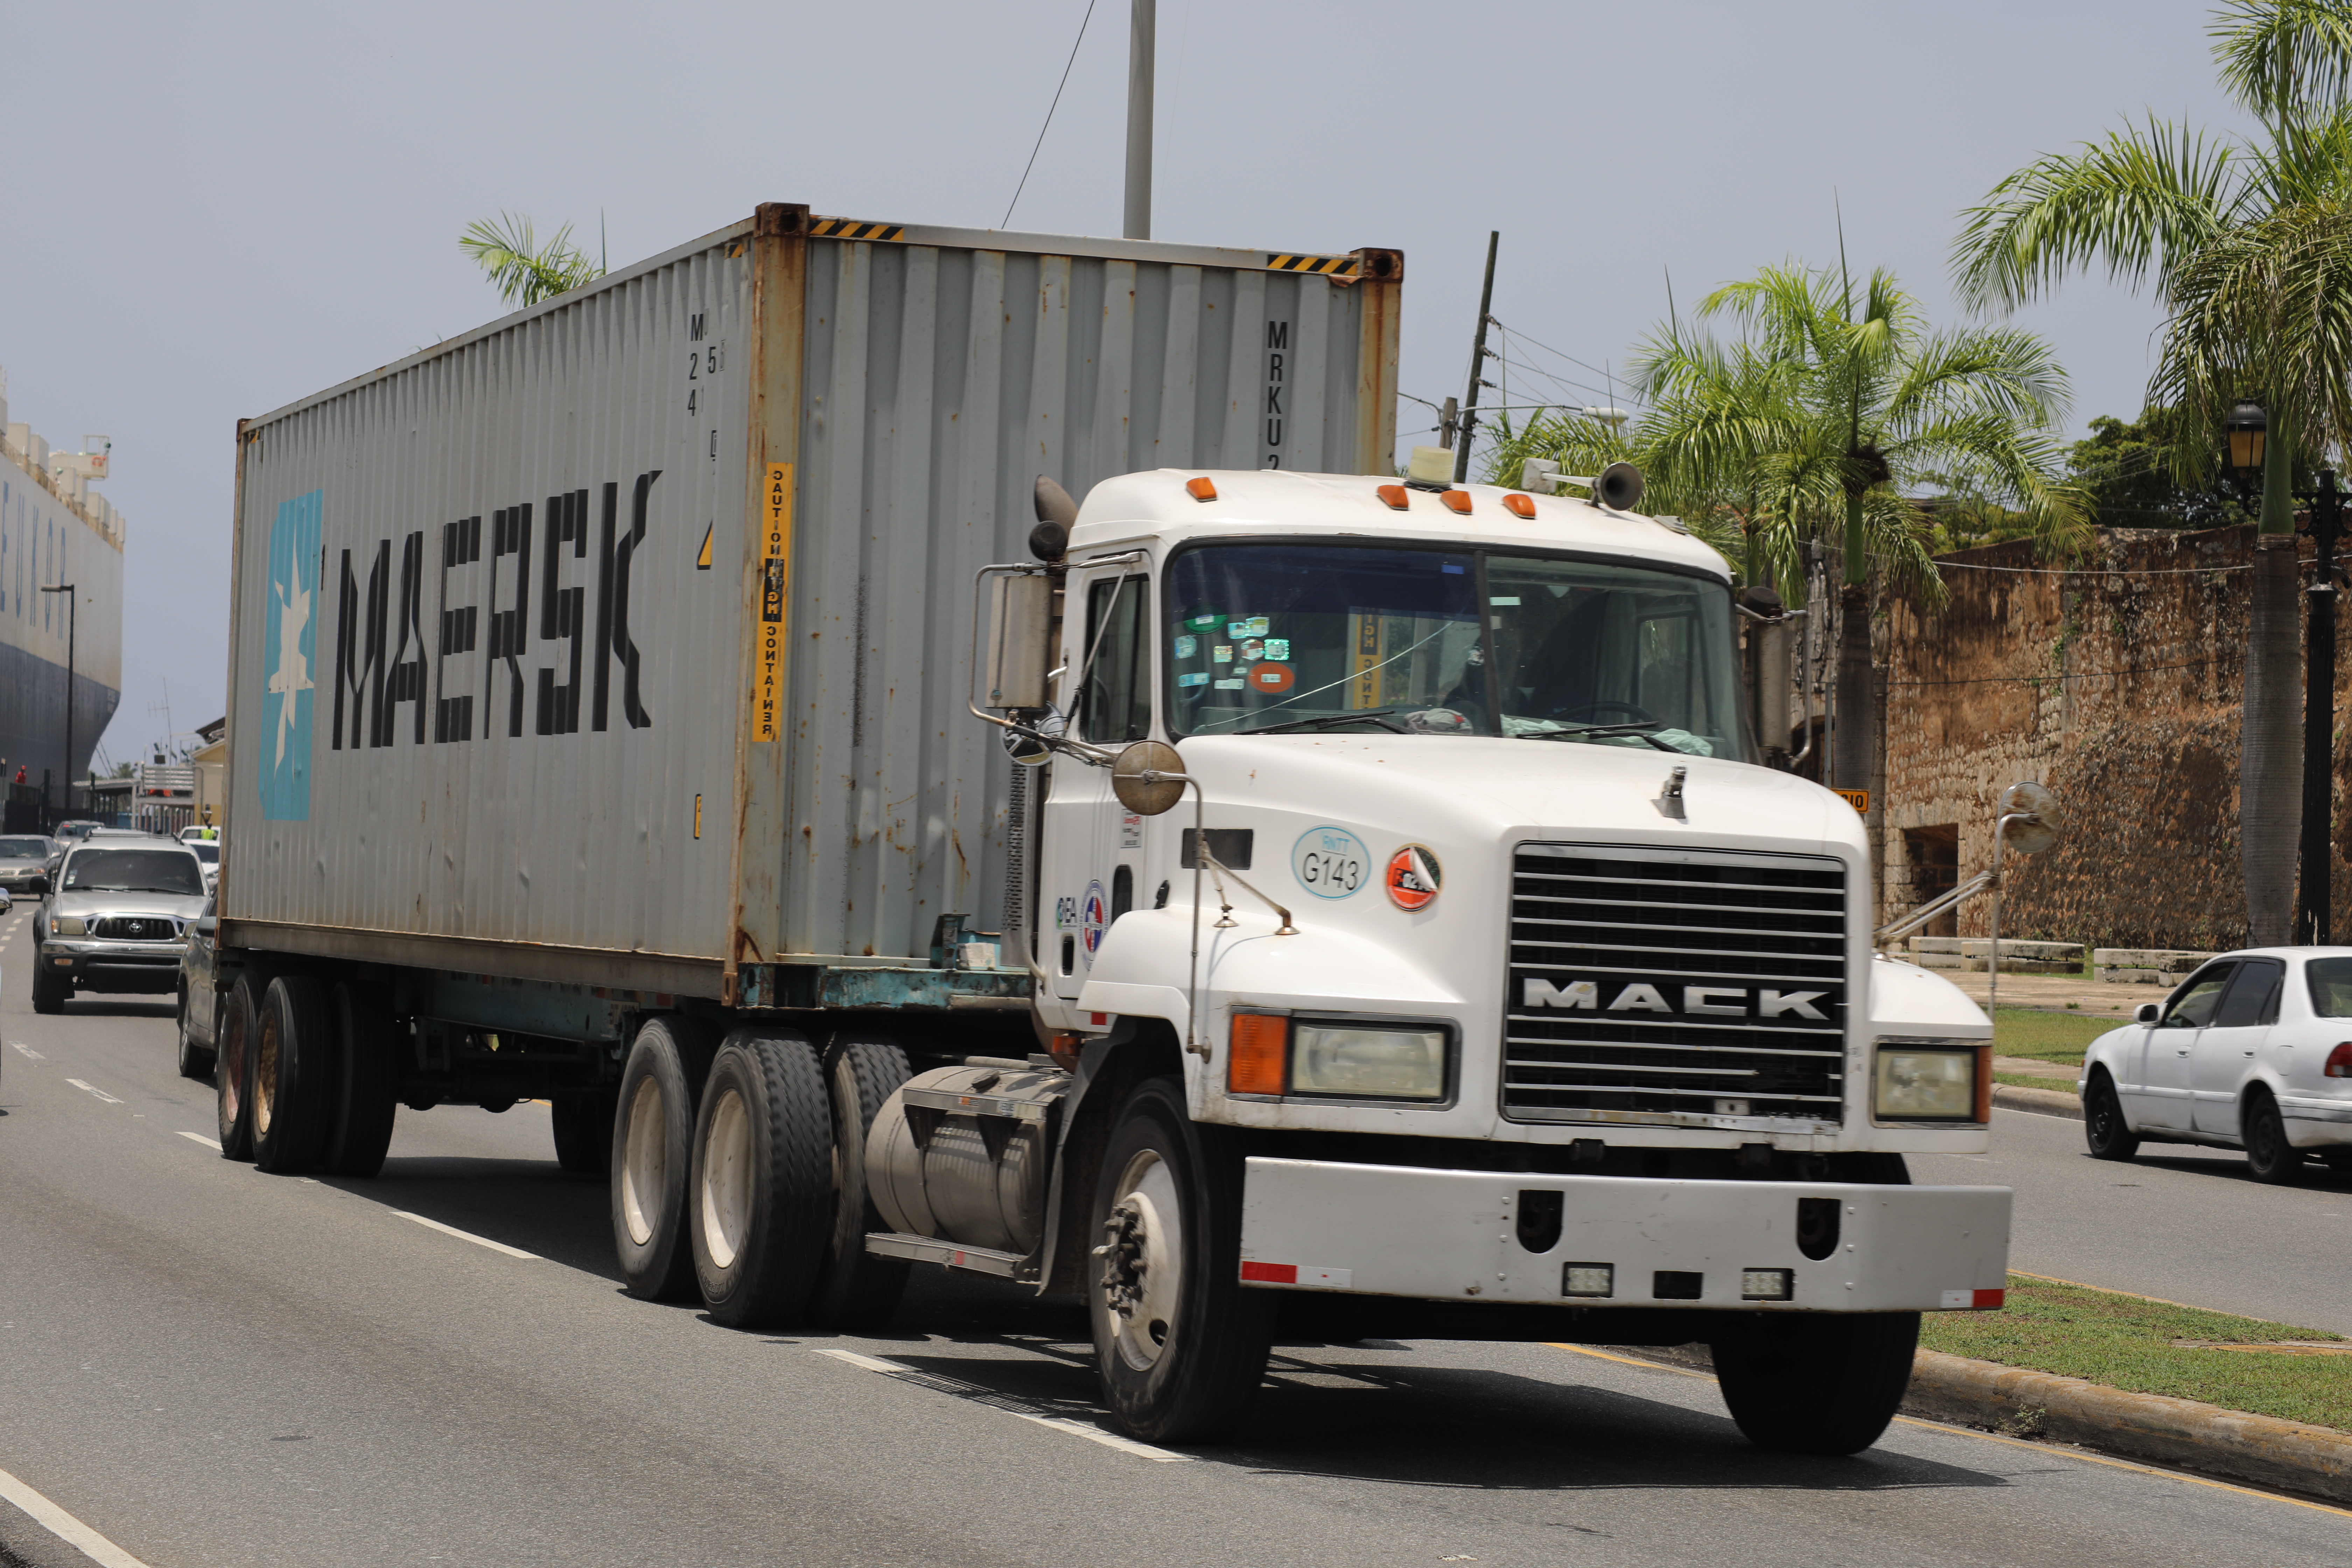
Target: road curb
(2316, 1461)
(2040, 1102)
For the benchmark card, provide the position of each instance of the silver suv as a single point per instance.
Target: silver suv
(117, 920)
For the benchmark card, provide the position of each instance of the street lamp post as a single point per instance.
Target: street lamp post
(71, 604)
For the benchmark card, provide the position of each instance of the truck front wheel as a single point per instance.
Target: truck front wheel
(653, 1147)
(1816, 1382)
(1180, 1345)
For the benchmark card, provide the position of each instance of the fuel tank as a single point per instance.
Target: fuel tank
(960, 1154)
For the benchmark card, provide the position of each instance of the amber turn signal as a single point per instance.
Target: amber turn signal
(1520, 505)
(1203, 489)
(1259, 1051)
(1395, 494)
(1456, 501)
(1065, 1049)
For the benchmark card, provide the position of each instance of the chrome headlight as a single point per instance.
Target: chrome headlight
(1932, 1080)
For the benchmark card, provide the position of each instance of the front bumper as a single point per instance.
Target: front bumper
(142, 967)
(1385, 1230)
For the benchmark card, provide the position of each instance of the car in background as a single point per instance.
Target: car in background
(200, 834)
(199, 995)
(75, 829)
(2250, 1052)
(117, 920)
(25, 863)
(207, 850)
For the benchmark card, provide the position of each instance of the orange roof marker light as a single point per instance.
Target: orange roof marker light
(1456, 501)
(1203, 489)
(1520, 505)
(1394, 496)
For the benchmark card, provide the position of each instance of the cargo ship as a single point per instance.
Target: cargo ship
(55, 530)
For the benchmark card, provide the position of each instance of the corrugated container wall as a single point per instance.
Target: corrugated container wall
(497, 646)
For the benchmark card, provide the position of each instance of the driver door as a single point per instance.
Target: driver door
(1096, 849)
(2161, 1099)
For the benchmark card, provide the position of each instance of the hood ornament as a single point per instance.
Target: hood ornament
(1670, 799)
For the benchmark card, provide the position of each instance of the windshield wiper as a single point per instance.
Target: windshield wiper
(1578, 731)
(1330, 721)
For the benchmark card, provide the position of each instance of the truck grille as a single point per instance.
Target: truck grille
(1673, 985)
(137, 928)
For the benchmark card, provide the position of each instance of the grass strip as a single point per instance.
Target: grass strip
(2025, 1080)
(2132, 1343)
(2046, 1037)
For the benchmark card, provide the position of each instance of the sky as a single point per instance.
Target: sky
(217, 210)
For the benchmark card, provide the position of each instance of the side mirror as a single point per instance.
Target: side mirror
(2148, 1012)
(1148, 778)
(1021, 606)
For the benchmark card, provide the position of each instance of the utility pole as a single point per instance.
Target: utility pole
(2313, 917)
(1142, 24)
(72, 603)
(1477, 363)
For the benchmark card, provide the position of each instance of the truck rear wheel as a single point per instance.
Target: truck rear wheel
(1181, 1347)
(233, 1070)
(367, 1081)
(652, 1143)
(1816, 1382)
(762, 1205)
(856, 1290)
(293, 1074)
(583, 1132)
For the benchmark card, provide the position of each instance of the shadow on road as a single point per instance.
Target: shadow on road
(529, 1203)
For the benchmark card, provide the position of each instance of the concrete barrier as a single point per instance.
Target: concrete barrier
(2017, 956)
(2143, 965)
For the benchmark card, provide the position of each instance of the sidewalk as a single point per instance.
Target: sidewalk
(2052, 992)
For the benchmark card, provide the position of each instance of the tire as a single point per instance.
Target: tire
(652, 1157)
(1809, 1383)
(367, 1098)
(293, 1075)
(2269, 1156)
(1180, 1345)
(233, 1070)
(196, 1060)
(583, 1132)
(760, 1209)
(49, 994)
(855, 1289)
(2104, 1128)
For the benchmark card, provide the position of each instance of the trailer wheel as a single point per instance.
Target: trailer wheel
(762, 1203)
(196, 1060)
(233, 1070)
(1181, 1347)
(293, 1075)
(653, 1140)
(1816, 1382)
(367, 1081)
(583, 1132)
(856, 1290)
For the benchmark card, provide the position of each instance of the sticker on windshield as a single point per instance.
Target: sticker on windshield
(1252, 650)
(1186, 646)
(1272, 677)
(1206, 620)
(1329, 862)
(1198, 678)
(1277, 647)
(1231, 683)
(1222, 654)
(1253, 627)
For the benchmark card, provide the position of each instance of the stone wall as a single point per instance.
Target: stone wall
(2118, 686)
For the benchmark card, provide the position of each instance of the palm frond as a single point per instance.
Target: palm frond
(2281, 58)
(524, 272)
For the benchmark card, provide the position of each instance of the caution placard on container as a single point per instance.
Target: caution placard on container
(1857, 798)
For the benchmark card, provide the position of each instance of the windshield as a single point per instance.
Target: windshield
(208, 853)
(1302, 637)
(24, 848)
(134, 872)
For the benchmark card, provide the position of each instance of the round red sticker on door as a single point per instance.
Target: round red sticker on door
(1272, 677)
(1412, 876)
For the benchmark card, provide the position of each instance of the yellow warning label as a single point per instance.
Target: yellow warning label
(1857, 798)
(1366, 693)
(768, 622)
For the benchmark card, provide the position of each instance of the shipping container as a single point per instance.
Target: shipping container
(623, 641)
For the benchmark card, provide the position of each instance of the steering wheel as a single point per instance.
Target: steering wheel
(1594, 714)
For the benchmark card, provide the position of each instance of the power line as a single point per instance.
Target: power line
(1049, 116)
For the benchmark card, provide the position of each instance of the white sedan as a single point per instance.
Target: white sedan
(2253, 1052)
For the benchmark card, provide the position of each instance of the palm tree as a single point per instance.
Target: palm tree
(523, 271)
(2245, 238)
(1821, 422)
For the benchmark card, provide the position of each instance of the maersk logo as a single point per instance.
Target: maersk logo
(289, 638)
(1697, 1000)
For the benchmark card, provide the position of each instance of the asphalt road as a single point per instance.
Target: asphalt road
(208, 1366)
(2183, 1224)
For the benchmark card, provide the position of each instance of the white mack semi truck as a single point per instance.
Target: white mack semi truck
(1268, 898)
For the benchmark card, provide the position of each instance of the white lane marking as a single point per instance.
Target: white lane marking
(1059, 1424)
(93, 1089)
(466, 1235)
(211, 1144)
(65, 1526)
(29, 1052)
